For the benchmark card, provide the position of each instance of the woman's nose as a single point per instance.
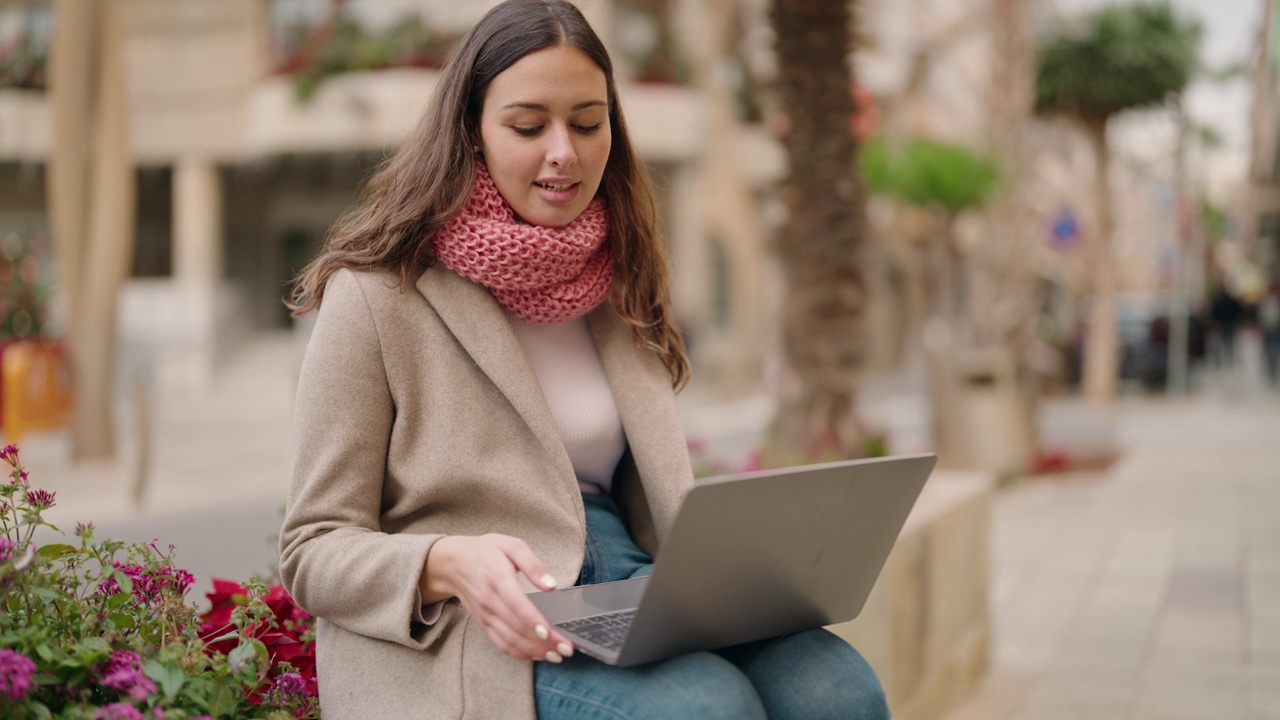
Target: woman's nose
(560, 151)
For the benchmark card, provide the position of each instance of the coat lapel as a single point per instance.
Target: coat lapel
(650, 417)
(479, 325)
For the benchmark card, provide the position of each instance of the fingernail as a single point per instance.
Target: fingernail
(548, 581)
(541, 632)
(565, 649)
(553, 656)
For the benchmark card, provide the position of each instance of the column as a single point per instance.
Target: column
(197, 267)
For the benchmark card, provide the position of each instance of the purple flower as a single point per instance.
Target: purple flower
(123, 672)
(149, 585)
(118, 711)
(7, 547)
(291, 684)
(40, 499)
(10, 454)
(15, 673)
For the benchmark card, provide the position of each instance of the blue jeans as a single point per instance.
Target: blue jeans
(809, 675)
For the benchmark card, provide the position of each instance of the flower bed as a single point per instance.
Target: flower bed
(102, 630)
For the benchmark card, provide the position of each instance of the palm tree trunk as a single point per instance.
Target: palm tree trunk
(820, 243)
(1102, 349)
(92, 204)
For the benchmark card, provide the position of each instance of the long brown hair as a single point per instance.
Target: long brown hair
(426, 182)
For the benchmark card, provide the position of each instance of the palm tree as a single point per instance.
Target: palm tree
(1120, 57)
(946, 180)
(820, 243)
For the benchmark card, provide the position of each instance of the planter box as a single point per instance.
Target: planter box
(926, 626)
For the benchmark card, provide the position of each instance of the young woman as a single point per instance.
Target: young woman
(486, 408)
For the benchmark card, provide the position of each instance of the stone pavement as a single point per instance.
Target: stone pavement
(1150, 591)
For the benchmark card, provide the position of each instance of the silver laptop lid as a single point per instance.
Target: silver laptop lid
(763, 554)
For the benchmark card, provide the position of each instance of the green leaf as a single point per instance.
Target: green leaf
(96, 644)
(169, 678)
(117, 600)
(122, 621)
(224, 700)
(244, 653)
(55, 551)
(228, 636)
(124, 581)
(39, 710)
(48, 594)
(45, 652)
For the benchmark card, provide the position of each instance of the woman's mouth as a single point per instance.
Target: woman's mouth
(557, 193)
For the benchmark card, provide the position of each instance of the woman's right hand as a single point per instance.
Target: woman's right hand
(481, 571)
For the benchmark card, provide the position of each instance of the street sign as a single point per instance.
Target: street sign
(1064, 230)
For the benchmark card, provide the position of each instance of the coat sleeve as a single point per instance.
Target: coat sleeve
(334, 558)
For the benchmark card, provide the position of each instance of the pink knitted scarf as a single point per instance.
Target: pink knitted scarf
(542, 275)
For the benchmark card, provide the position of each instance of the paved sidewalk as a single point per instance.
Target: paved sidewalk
(1151, 591)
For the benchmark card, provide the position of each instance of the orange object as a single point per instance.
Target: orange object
(36, 393)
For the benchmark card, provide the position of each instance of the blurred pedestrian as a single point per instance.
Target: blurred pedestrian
(1269, 324)
(491, 315)
(1225, 315)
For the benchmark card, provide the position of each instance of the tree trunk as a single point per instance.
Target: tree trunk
(820, 243)
(1006, 290)
(91, 204)
(1102, 341)
(942, 340)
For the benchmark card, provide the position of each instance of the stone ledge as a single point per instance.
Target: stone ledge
(925, 627)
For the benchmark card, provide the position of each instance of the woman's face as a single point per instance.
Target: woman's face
(545, 134)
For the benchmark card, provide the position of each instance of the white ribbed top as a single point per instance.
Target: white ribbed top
(564, 359)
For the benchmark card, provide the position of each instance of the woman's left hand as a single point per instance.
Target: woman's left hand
(482, 571)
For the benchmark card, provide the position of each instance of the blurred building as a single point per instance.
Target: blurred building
(1264, 196)
(253, 123)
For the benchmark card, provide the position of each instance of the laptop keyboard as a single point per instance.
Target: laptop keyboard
(607, 630)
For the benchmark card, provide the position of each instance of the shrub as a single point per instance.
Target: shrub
(102, 630)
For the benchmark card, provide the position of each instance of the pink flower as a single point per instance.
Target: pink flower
(15, 672)
(7, 547)
(10, 454)
(123, 672)
(290, 684)
(118, 711)
(149, 586)
(40, 499)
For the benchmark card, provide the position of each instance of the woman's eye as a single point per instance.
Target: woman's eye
(526, 131)
(587, 129)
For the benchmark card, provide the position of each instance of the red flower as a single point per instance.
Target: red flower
(282, 635)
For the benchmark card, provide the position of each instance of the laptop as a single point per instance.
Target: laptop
(750, 556)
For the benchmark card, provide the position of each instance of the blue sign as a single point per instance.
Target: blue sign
(1065, 231)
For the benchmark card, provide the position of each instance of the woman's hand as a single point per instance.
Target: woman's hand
(481, 572)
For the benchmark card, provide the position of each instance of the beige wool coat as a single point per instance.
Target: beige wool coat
(417, 417)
